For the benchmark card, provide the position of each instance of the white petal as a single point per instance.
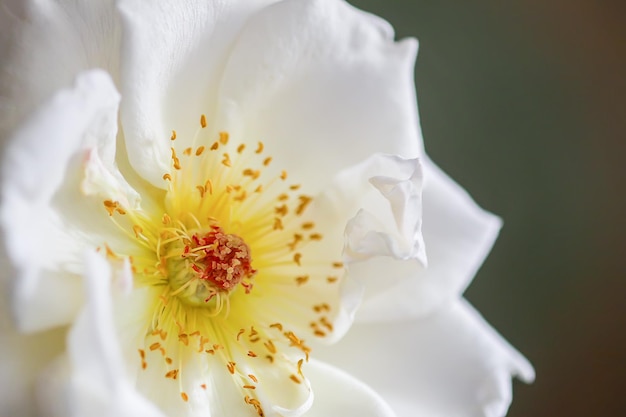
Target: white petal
(50, 42)
(451, 363)
(103, 180)
(385, 193)
(92, 380)
(338, 394)
(23, 358)
(458, 236)
(380, 201)
(173, 54)
(323, 85)
(40, 164)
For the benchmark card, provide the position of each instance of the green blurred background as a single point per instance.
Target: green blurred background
(522, 102)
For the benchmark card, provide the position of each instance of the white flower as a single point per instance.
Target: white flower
(256, 190)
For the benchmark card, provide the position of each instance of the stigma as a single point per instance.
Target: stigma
(203, 264)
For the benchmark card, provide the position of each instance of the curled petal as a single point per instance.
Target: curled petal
(71, 119)
(380, 201)
(43, 206)
(388, 222)
(34, 172)
(457, 234)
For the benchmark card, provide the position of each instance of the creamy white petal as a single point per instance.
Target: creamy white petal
(91, 380)
(323, 85)
(41, 164)
(49, 43)
(23, 358)
(338, 394)
(385, 193)
(173, 53)
(372, 211)
(458, 235)
(450, 363)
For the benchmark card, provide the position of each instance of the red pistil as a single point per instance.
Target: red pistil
(223, 259)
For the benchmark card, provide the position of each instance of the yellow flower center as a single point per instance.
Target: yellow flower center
(226, 254)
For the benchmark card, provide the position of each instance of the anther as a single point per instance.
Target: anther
(175, 159)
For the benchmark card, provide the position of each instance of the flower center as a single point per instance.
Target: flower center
(192, 255)
(207, 263)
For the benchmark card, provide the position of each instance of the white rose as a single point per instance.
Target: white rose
(199, 199)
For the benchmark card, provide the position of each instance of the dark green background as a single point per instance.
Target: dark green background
(522, 102)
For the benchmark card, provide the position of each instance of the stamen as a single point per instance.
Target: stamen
(175, 159)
